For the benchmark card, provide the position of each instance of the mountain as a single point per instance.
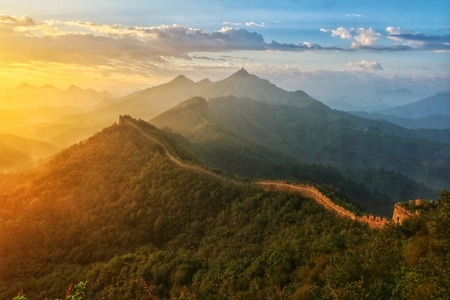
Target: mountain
(243, 84)
(16, 152)
(121, 213)
(26, 96)
(428, 122)
(438, 104)
(317, 135)
(397, 97)
(41, 113)
(381, 100)
(153, 101)
(149, 103)
(214, 144)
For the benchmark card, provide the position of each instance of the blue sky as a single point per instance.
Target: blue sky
(349, 48)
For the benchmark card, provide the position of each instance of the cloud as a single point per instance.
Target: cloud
(115, 44)
(364, 65)
(360, 37)
(16, 22)
(354, 15)
(255, 24)
(341, 32)
(231, 24)
(110, 48)
(393, 30)
(364, 37)
(416, 40)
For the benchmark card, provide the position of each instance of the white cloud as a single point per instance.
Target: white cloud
(342, 32)
(364, 65)
(231, 24)
(365, 37)
(354, 15)
(393, 30)
(249, 24)
(416, 40)
(360, 37)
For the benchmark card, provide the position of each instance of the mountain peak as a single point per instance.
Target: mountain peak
(181, 79)
(25, 85)
(241, 73)
(73, 88)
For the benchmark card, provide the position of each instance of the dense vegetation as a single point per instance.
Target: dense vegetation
(116, 213)
(368, 160)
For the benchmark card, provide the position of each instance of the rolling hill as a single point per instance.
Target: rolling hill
(117, 212)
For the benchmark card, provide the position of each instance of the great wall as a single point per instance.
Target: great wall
(399, 215)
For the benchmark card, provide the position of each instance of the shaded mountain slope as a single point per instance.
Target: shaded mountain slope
(438, 104)
(398, 97)
(428, 122)
(153, 101)
(243, 84)
(335, 138)
(216, 146)
(322, 136)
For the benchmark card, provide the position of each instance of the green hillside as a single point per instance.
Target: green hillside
(376, 163)
(117, 212)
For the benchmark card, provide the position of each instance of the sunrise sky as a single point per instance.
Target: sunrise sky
(325, 47)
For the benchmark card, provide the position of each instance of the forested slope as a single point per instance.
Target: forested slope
(117, 212)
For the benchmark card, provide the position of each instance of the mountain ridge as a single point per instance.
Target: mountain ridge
(304, 135)
(438, 104)
(117, 209)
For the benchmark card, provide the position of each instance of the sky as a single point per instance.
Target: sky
(328, 48)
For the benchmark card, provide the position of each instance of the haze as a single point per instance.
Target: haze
(329, 49)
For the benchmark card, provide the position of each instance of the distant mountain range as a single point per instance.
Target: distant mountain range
(398, 97)
(432, 113)
(304, 135)
(378, 101)
(29, 97)
(438, 104)
(246, 125)
(18, 153)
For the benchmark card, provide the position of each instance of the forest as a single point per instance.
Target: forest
(114, 213)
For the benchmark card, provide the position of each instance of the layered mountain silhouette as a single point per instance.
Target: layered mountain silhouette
(438, 104)
(31, 97)
(244, 124)
(397, 97)
(312, 134)
(430, 113)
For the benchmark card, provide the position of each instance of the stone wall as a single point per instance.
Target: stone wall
(124, 119)
(403, 211)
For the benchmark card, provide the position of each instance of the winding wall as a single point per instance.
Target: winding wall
(304, 190)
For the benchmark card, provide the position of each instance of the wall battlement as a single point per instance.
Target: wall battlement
(406, 210)
(315, 194)
(123, 119)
